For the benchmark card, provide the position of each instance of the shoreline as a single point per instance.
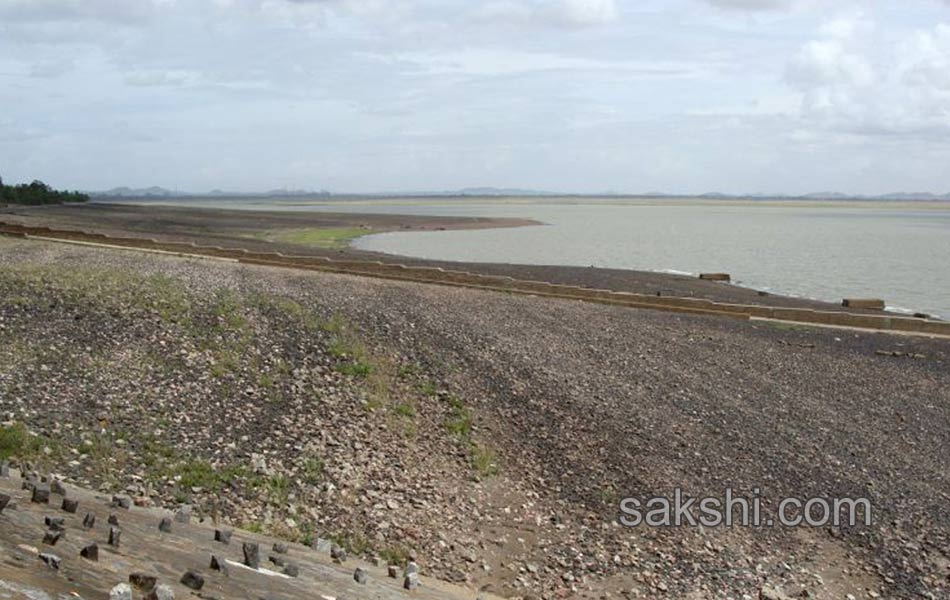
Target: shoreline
(232, 227)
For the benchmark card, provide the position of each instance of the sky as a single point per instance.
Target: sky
(681, 96)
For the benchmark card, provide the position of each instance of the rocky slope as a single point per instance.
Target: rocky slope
(491, 436)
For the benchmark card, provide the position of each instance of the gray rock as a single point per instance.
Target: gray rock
(51, 560)
(70, 505)
(89, 521)
(291, 570)
(280, 548)
(322, 545)
(90, 552)
(770, 593)
(359, 576)
(121, 502)
(161, 592)
(165, 525)
(56, 487)
(393, 571)
(219, 564)
(115, 535)
(113, 520)
(411, 568)
(40, 494)
(121, 592)
(278, 561)
(411, 581)
(184, 514)
(55, 523)
(193, 581)
(222, 535)
(338, 554)
(4, 501)
(52, 537)
(252, 555)
(143, 582)
(5, 469)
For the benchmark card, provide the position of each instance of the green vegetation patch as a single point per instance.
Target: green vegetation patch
(315, 237)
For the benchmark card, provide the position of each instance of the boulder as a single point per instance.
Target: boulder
(411, 581)
(90, 552)
(219, 564)
(40, 494)
(184, 514)
(89, 521)
(70, 505)
(115, 536)
(222, 535)
(121, 592)
(280, 548)
(252, 555)
(123, 502)
(165, 525)
(52, 537)
(291, 570)
(193, 581)
(51, 560)
(359, 576)
(161, 592)
(393, 571)
(4, 501)
(143, 582)
(56, 486)
(55, 523)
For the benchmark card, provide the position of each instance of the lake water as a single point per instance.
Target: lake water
(897, 252)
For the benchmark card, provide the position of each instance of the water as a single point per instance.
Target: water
(898, 252)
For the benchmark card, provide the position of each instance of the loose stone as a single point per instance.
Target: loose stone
(56, 487)
(143, 582)
(41, 494)
(280, 548)
(52, 537)
(52, 561)
(165, 526)
(291, 570)
(193, 581)
(252, 555)
(121, 592)
(218, 564)
(394, 571)
(222, 535)
(90, 552)
(161, 592)
(89, 521)
(121, 502)
(184, 514)
(55, 523)
(70, 505)
(115, 535)
(4, 501)
(359, 576)
(411, 581)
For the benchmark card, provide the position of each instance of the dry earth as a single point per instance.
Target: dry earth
(490, 435)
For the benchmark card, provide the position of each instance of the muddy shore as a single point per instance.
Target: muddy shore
(235, 228)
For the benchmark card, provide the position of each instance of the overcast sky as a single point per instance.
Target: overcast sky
(572, 95)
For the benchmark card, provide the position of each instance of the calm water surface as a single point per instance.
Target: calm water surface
(898, 253)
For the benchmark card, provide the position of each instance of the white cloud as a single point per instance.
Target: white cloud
(566, 13)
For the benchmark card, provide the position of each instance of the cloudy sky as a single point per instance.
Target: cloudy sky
(574, 95)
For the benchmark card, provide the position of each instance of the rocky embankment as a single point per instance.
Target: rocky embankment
(488, 436)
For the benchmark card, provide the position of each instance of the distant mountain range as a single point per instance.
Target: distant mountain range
(160, 192)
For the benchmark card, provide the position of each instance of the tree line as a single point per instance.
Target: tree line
(37, 193)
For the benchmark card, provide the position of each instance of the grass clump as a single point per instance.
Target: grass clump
(16, 441)
(332, 237)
